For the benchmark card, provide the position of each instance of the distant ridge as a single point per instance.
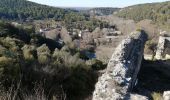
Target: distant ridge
(22, 9)
(77, 8)
(97, 10)
(154, 11)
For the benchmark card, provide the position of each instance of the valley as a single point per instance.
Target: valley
(84, 53)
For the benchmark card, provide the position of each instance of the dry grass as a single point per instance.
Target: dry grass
(157, 96)
(37, 94)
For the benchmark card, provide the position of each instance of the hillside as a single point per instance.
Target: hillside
(105, 11)
(157, 12)
(48, 68)
(21, 9)
(100, 11)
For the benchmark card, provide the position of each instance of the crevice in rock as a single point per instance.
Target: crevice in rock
(153, 77)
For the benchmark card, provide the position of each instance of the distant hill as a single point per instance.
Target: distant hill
(100, 11)
(22, 9)
(104, 11)
(157, 12)
(78, 8)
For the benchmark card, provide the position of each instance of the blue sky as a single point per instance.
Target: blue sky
(94, 3)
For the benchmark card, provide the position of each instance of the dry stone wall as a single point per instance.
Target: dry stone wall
(163, 42)
(123, 67)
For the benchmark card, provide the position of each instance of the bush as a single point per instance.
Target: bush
(43, 54)
(150, 47)
(29, 52)
(95, 64)
(156, 96)
(11, 42)
(66, 59)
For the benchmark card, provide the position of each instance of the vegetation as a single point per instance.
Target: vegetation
(105, 11)
(41, 69)
(100, 11)
(157, 12)
(157, 96)
(82, 22)
(22, 9)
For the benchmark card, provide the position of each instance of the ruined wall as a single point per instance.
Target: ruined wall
(122, 69)
(163, 43)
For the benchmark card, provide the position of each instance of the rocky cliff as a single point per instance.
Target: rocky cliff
(121, 73)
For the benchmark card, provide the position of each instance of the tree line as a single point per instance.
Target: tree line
(157, 12)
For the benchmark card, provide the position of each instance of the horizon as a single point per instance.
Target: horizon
(94, 3)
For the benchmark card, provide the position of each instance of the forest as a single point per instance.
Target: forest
(159, 13)
(22, 9)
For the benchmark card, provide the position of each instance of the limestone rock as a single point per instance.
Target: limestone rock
(137, 97)
(122, 69)
(160, 48)
(163, 43)
(166, 95)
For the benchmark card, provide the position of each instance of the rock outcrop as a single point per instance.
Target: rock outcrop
(166, 95)
(163, 43)
(138, 97)
(123, 67)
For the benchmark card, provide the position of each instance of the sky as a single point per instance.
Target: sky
(94, 3)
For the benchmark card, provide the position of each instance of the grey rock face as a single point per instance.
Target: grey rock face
(137, 97)
(163, 42)
(166, 95)
(160, 47)
(122, 69)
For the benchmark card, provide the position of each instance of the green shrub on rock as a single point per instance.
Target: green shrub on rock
(95, 64)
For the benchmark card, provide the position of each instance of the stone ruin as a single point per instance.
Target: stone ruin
(163, 48)
(121, 73)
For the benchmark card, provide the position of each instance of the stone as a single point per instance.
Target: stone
(122, 69)
(163, 43)
(137, 97)
(166, 95)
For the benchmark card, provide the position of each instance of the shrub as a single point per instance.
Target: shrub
(4, 61)
(65, 48)
(70, 47)
(10, 42)
(43, 54)
(66, 59)
(29, 52)
(156, 96)
(150, 47)
(95, 64)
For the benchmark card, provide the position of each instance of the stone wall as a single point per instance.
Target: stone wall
(163, 43)
(123, 67)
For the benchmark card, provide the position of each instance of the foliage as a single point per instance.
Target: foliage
(80, 21)
(156, 96)
(7, 29)
(22, 9)
(43, 54)
(104, 11)
(36, 61)
(157, 12)
(95, 64)
(150, 47)
(29, 52)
